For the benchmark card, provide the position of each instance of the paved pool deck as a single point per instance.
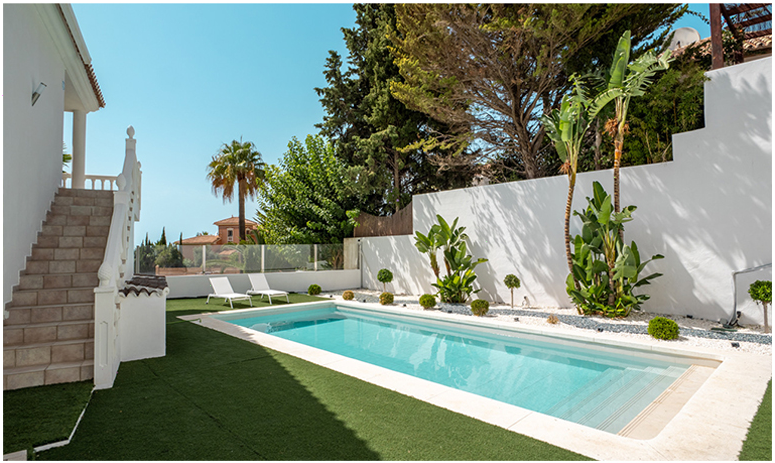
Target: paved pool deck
(704, 415)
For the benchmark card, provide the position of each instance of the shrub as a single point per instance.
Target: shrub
(386, 298)
(427, 301)
(663, 328)
(384, 276)
(761, 292)
(314, 290)
(552, 320)
(512, 282)
(480, 307)
(348, 295)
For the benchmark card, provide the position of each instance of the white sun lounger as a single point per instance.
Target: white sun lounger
(223, 289)
(260, 286)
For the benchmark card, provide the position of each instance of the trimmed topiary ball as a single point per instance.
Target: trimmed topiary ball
(348, 295)
(384, 276)
(427, 301)
(386, 298)
(314, 290)
(480, 307)
(663, 328)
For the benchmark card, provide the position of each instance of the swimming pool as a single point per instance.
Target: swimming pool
(585, 383)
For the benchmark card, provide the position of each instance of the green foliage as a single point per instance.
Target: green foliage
(427, 301)
(163, 238)
(512, 282)
(385, 276)
(480, 307)
(457, 284)
(429, 244)
(237, 164)
(761, 291)
(169, 256)
(314, 290)
(386, 298)
(372, 130)
(606, 271)
(663, 328)
(348, 295)
(490, 71)
(307, 198)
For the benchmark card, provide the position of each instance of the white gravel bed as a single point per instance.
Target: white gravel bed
(636, 320)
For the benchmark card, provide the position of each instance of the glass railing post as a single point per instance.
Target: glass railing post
(315, 252)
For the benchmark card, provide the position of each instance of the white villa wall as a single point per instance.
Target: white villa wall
(709, 212)
(329, 280)
(32, 135)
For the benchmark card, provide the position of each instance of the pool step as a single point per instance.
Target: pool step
(613, 399)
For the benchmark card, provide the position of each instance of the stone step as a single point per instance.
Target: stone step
(39, 297)
(25, 335)
(49, 313)
(81, 193)
(54, 373)
(82, 210)
(43, 353)
(62, 280)
(70, 242)
(101, 201)
(77, 220)
(44, 267)
(75, 230)
(49, 254)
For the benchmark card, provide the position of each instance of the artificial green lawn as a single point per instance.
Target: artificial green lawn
(758, 442)
(214, 397)
(41, 415)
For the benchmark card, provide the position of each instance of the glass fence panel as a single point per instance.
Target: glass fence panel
(237, 258)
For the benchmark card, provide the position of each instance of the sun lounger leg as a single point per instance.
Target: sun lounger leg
(230, 303)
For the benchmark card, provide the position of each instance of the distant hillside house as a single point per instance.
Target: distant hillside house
(228, 232)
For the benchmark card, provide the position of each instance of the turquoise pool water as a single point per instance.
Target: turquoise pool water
(602, 389)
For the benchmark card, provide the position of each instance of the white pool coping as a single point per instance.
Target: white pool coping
(712, 425)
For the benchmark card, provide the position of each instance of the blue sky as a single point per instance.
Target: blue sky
(190, 77)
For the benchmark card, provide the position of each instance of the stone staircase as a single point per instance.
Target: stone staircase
(48, 337)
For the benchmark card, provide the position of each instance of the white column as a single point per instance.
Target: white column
(79, 149)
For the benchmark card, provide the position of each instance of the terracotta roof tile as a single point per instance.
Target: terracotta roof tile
(148, 284)
(201, 239)
(234, 221)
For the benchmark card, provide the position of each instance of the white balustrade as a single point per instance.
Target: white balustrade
(106, 182)
(117, 266)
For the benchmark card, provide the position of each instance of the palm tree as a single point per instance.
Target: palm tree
(566, 128)
(238, 163)
(624, 81)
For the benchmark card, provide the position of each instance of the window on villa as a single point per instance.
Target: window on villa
(229, 235)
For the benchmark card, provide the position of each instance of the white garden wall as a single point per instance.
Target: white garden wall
(329, 280)
(709, 212)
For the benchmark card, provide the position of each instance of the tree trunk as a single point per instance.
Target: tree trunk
(617, 162)
(241, 194)
(568, 205)
(396, 182)
(597, 144)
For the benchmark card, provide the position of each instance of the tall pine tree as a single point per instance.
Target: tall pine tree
(374, 132)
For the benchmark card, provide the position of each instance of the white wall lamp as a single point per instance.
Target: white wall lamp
(38, 91)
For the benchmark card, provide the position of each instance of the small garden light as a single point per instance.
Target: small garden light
(735, 344)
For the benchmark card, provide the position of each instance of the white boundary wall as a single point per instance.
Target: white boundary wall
(329, 280)
(709, 212)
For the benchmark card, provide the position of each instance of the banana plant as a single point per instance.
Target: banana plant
(624, 81)
(605, 271)
(457, 286)
(450, 237)
(430, 244)
(566, 128)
